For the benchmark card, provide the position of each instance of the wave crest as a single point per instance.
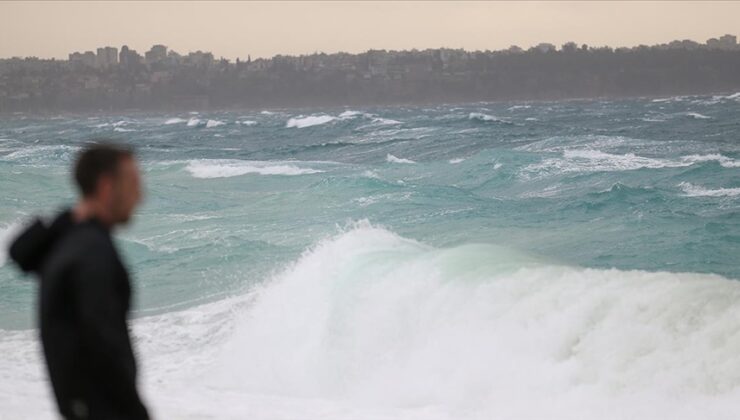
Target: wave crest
(310, 121)
(692, 190)
(371, 315)
(226, 168)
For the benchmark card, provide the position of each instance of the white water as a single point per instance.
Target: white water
(226, 168)
(692, 190)
(393, 159)
(7, 233)
(310, 121)
(487, 118)
(194, 122)
(697, 116)
(171, 121)
(371, 325)
(590, 160)
(723, 160)
(596, 161)
(214, 123)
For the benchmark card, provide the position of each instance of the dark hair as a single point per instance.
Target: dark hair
(95, 161)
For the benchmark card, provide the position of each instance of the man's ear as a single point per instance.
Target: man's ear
(105, 186)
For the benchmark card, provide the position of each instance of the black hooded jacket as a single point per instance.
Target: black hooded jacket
(83, 307)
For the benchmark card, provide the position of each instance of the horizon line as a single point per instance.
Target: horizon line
(320, 52)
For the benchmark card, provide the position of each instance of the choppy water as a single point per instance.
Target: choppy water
(466, 261)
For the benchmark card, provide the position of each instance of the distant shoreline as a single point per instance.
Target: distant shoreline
(341, 107)
(163, 80)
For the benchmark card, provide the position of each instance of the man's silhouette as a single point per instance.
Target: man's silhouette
(85, 290)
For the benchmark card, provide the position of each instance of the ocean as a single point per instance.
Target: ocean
(572, 259)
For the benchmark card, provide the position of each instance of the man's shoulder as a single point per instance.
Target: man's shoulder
(88, 234)
(87, 240)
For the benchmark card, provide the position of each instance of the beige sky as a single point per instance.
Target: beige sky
(235, 29)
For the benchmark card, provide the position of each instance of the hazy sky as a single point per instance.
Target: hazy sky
(234, 29)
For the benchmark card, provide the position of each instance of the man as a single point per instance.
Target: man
(85, 290)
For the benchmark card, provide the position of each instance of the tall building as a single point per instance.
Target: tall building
(128, 57)
(156, 54)
(106, 57)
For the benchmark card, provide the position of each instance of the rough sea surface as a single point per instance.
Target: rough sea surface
(573, 259)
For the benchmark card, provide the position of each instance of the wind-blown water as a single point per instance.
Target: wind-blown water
(493, 261)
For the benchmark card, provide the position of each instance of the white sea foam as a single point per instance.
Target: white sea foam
(457, 160)
(248, 122)
(385, 121)
(484, 332)
(350, 114)
(692, 190)
(174, 121)
(41, 155)
(723, 160)
(194, 122)
(597, 161)
(112, 124)
(671, 99)
(588, 160)
(123, 130)
(226, 168)
(369, 325)
(586, 142)
(7, 233)
(734, 96)
(697, 116)
(479, 116)
(392, 159)
(309, 121)
(516, 107)
(214, 123)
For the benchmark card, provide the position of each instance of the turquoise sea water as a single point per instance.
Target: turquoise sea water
(449, 193)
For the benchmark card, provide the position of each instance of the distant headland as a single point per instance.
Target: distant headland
(161, 79)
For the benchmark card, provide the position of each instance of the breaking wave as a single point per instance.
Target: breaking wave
(692, 190)
(723, 160)
(310, 121)
(587, 160)
(479, 116)
(697, 116)
(214, 123)
(393, 159)
(484, 330)
(226, 168)
(195, 122)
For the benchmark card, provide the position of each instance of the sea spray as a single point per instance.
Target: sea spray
(374, 317)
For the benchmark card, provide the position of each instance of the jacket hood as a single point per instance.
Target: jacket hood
(30, 249)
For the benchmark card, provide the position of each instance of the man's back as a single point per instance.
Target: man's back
(84, 301)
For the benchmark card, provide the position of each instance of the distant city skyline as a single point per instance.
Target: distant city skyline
(265, 29)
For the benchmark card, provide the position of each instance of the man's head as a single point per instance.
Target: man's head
(108, 180)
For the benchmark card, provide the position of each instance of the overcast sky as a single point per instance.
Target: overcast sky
(262, 29)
